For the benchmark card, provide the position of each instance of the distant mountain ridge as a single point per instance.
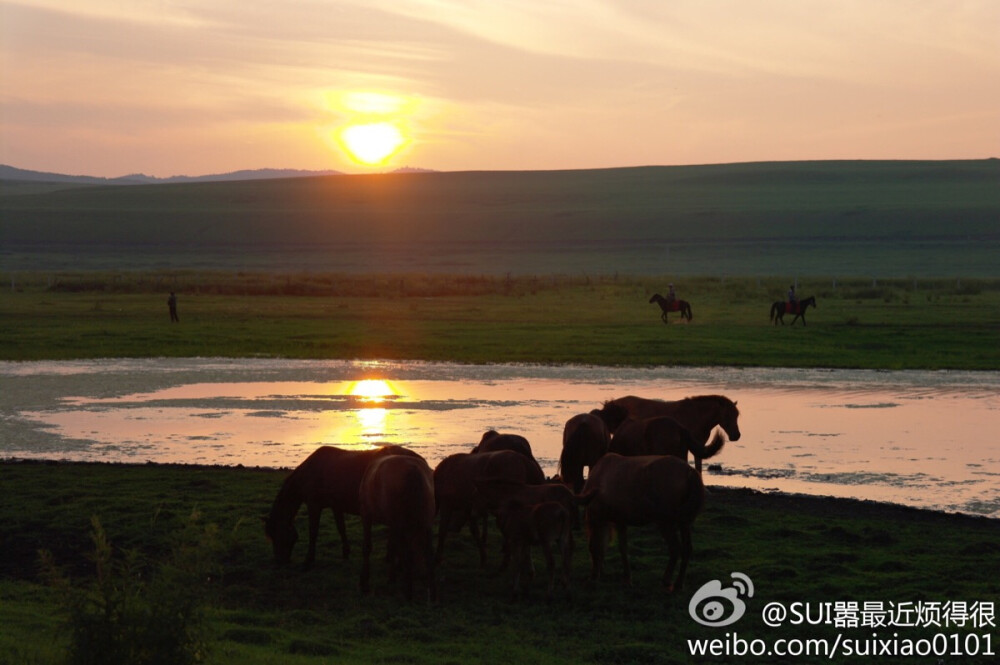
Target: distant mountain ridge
(25, 175)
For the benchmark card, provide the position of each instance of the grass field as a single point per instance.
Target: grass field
(845, 219)
(889, 324)
(818, 551)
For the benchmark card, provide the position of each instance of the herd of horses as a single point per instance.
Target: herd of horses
(635, 450)
(778, 309)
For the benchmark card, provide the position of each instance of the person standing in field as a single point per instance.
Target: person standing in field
(172, 304)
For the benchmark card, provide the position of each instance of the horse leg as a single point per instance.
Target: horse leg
(550, 564)
(443, 525)
(669, 531)
(366, 552)
(314, 515)
(597, 542)
(479, 540)
(345, 545)
(566, 547)
(623, 550)
(427, 548)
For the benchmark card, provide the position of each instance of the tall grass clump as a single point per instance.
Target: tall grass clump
(135, 610)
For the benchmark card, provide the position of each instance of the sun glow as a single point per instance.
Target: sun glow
(373, 390)
(372, 144)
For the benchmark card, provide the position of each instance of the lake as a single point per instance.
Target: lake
(919, 438)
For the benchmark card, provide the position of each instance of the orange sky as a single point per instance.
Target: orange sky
(112, 87)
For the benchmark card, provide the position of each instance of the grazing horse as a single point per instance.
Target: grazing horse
(585, 440)
(493, 441)
(458, 500)
(548, 524)
(668, 306)
(632, 491)
(398, 491)
(662, 436)
(699, 415)
(329, 478)
(778, 310)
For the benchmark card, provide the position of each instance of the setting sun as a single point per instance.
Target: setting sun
(372, 390)
(372, 144)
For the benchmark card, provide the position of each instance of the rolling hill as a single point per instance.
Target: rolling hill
(891, 218)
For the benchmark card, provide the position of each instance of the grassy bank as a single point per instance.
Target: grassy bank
(818, 551)
(885, 324)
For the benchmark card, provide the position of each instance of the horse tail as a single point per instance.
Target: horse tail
(687, 307)
(705, 450)
(774, 311)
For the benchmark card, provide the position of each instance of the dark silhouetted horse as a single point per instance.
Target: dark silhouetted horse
(699, 415)
(662, 436)
(585, 440)
(459, 501)
(398, 491)
(667, 306)
(493, 441)
(329, 478)
(633, 491)
(547, 524)
(779, 309)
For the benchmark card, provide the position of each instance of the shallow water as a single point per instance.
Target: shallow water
(917, 438)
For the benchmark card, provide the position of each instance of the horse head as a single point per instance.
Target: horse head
(612, 413)
(283, 537)
(656, 298)
(728, 419)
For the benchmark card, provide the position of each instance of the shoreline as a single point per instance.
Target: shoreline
(818, 504)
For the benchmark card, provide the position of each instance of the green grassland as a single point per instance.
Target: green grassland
(872, 219)
(818, 551)
(889, 324)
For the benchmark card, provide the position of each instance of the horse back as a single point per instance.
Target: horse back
(330, 476)
(398, 490)
(493, 441)
(643, 489)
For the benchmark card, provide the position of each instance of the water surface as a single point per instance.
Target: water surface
(918, 438)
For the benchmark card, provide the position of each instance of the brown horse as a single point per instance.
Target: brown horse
(667, 306)
(699, 415)
(548, 524)
(458, 500)
(493, 441)
(662, 436)
(778, 310)
(632, 491)
(329, 478)
(585, 439)
(398, 491)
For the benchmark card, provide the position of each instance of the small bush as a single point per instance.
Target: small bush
(135, 612)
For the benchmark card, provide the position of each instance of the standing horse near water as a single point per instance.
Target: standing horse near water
(662, 436)
(458, 500)
(632, 491)
(668, 306)
(398, 491)
(329, 478)
(778, 310)
(699, 415)
(585, 439)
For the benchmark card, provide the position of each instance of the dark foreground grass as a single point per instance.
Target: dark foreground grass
(898, 324)
(795, 549)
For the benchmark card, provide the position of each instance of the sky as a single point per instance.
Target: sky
(196, 87)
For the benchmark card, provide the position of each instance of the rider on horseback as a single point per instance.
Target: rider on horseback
(671, 295)
(793, 301)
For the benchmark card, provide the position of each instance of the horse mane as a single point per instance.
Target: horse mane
(715, 398)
